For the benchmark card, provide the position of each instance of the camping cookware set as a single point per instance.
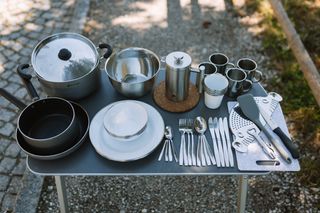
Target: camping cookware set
(67, 67)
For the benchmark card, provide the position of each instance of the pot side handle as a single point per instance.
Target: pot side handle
(26, 79)
(108, 51)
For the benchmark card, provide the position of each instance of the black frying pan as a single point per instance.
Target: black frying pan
(83, 123)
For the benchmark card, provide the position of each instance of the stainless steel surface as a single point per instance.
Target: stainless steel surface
(219, 142)
(71, 78)
(133, 71)
(266, 146)
(62, 193)
(221, 61)
(250, 67)
(200, 77)
(177, 75)
(205, 151)
(224, 142)
(168, 147)
(226, 129)
(238, 82)
(48, 63)
(216, 84)
(183, 157)
(248, 161)
(190, 140)
(242, 195)
(214, 142)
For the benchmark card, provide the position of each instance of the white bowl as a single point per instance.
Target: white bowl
(125, 120)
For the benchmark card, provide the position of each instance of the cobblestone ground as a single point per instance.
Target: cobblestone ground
(22, 25)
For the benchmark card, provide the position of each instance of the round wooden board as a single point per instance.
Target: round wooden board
(159, 97)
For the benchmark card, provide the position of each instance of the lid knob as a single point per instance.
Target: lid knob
(178, 60)
(64, 54)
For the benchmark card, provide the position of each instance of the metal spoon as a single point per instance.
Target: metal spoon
(200, 125)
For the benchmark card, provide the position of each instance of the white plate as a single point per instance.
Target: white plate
(124, 151)
(125, 120)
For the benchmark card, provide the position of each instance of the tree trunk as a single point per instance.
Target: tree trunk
(308, 68)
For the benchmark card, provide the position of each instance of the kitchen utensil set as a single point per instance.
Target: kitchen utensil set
(219, 130)
(168, 148)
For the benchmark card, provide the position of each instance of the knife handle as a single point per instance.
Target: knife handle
(293, 148)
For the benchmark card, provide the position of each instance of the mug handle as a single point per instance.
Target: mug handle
(249, 83)
(230, 64)
(258, 76)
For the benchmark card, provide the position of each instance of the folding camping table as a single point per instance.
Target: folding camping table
(86, 161)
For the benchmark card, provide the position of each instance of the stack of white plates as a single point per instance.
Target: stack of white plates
(126, 130)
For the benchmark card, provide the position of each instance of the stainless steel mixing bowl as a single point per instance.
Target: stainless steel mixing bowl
(132, 71)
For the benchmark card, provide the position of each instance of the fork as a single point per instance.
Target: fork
(183, 157)
(191, 154)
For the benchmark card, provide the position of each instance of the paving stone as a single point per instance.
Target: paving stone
(10, 65)
(7, 52)
(6, 74)
(20, 168)
(6, 115)
(1, 196)
(12, 87)
(3, 83)
(26, 52)
(34, 35)
(21, 93)
(15, 77)
(15, 185)
(23, 155)
(3, 102)
(31, 27)
(7, 129)
(15, 57)
(7, 164)
(8, 203)
(14, 36)
(17, 46)
(4, 182)
(23, 40)
(13, 150)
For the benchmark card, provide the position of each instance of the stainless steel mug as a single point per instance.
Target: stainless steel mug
(178, 68)
(250, 67)
(209, 68)
(238, 82)
(221, 61)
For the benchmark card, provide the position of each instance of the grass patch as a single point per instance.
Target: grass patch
(299, 104)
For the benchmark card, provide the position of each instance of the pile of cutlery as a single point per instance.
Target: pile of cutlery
(204, 155)
(168, 147)
(219, 130)
(187, 155)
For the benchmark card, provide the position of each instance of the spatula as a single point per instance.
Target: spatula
(250, 109)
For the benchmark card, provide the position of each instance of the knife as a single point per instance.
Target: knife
(277, 130)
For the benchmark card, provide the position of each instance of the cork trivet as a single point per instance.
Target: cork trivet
(159, 96)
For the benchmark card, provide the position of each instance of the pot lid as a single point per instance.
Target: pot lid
(63, 57)
(178, 60)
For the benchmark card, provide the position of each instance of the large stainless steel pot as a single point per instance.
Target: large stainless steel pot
(132, 71)
(67, 65)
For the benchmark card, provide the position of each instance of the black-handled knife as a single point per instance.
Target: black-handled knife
(277, 130)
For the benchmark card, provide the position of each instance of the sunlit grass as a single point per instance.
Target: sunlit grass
(299, 104)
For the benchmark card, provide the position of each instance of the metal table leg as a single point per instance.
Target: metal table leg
(242, 197)
(62, 193)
